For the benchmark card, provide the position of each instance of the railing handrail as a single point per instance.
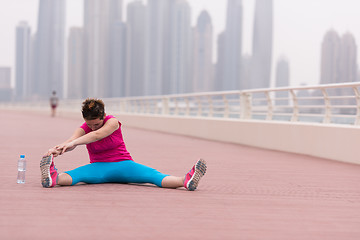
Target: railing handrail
(340, 105)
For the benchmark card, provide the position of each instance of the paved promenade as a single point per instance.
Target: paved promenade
(247, 193)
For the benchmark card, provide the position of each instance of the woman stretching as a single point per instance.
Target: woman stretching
(110, 162)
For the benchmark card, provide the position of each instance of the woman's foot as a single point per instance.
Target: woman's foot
(49, 174)
(193, 177)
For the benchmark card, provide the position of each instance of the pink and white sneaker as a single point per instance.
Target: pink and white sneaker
(49, 174)
(193, 177)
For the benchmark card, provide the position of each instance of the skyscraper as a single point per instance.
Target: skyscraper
(330, 58)
(338, 58)
(99, 17)
(246, 72)
(5, 77)
(203, 67)
(75, 84)
(282, 79)
(220, 63)
(157, 46)
(22, 61)
(282, 73)
(136, 29)
(5, 84)
(262, 44)
(117, 51)
(180, 47)
(118, 61)
(339, 63)
(348, 59)
(49, 49)
(233, 46)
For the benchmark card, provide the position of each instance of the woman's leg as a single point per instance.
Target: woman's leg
(172, 182)
(64, 179)
(90, 173)
(132, 172)
(138, 173)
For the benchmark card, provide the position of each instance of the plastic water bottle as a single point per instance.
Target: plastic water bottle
(21, 169)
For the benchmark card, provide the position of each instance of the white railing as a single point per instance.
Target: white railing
(335, 103)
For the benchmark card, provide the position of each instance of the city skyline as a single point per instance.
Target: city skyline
(339, 17)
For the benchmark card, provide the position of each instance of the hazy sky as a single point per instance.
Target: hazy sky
(299, 27)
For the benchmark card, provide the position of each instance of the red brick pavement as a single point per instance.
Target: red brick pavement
(248, 193)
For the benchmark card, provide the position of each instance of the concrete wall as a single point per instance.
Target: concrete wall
(330, 141)
(335, 142)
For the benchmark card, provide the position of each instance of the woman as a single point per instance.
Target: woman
(54, 101)
(109, 159)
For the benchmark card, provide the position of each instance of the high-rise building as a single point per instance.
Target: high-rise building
(5, 77)
(348, 59)
(22, 61)
(262, 44)
(75, 86)
(135, 62)
(5, 84)
(339, 64)
(117, 52)
(99, 17)
(48, 72)
(220, 64)
(118, 55)
(180, 47)
(347, 67)
(282, 79)
(203, 67)
(157, 65)
(338, 58)
(246, 72)
(330, 58)
(233, 46)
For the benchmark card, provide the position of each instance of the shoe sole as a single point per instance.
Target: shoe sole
(200, 170)
(45, 164)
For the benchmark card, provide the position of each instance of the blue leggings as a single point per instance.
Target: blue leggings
(116, 172)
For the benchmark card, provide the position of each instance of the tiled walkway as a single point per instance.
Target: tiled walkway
(247, 193)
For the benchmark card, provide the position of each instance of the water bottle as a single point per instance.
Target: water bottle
(21, 169)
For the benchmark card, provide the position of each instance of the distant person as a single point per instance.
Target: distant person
(54, 102)
(110, 162)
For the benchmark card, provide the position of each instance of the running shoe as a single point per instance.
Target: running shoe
(193, 177)
(49, 173)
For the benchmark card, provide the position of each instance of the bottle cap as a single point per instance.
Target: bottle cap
(22, 156)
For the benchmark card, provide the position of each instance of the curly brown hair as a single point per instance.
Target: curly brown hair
(93, 108)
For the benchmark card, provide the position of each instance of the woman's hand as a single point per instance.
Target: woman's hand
(52, 151)
(65, 147)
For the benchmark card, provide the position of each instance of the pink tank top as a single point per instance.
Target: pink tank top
(109, 149)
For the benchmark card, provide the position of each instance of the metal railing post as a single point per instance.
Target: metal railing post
(269, 114)
(295, 115)
(245, 105)
(176, 107)
(357, 97)
(165, 106)
(226, 107)
(199, 110)
(187, 111)
(327, 115)
(210, 106)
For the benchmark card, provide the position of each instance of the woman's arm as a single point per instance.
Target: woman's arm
(57, 151)
(107, 129)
